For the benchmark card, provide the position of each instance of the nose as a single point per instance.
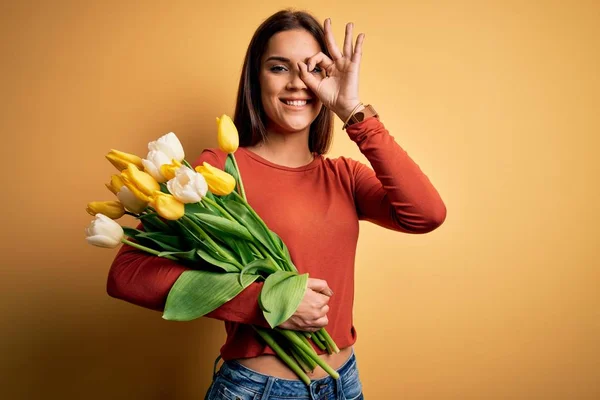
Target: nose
(295, 82)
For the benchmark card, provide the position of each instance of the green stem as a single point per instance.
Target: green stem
(187, 164)
(218, 207)
(265, 253)
(292, 337)
(329, 340)
(306, 357)
(210, 241)
(282, 354)
(304, 339)
(254, 248)
(318, 342)
(146, 249)
(300, 360)
(242, 191)
(132, 214)
(273, 240)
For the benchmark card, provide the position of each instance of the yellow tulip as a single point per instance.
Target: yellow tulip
(167, 206)
(169, 170)
(133, 189)
(115, 184)
(112, 209)
(120, 159)
(227, 134)
(219, 182)
(143, 181)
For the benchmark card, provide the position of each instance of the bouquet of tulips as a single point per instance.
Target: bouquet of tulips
(189, 215)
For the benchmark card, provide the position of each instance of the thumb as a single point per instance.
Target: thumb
(320, 286)
(307, 77)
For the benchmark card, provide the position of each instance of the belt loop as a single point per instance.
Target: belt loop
(215, 367)
(267, 389)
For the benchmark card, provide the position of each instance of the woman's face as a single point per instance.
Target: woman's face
(289, 104)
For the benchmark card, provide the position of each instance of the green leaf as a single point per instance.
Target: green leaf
(215, 260)
(187, 234)
(264, 265)
(197, 292)
(164, 188)
(131, 232)
(281, 245)
(152, 222)
(145, 239)
(166, 242)
(191, 208)
(241, 247)
(190, 255)
(281, 295)
(256, 227)
(224, 225)
(231, 170)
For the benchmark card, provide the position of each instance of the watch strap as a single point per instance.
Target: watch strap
(361, 115)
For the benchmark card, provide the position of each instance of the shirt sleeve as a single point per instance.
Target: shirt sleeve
(145, 280)
(395, 193)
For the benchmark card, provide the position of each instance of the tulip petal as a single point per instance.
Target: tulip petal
(104, 232)
(167, 206)
(130, 201)
(227, 134)
(170, 145)
(219, 182)
(102, 241)
(188, 186)
(121, 159)
(112, 209)
(142, 180)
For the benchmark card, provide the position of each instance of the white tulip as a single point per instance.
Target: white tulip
(130, 200)
(152, 163)
(170, 145)
(188, 186)
(104, 232)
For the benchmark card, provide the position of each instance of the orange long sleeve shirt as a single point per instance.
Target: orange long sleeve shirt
(315, 209)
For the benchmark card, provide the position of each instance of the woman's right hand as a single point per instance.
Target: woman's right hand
(311, 314)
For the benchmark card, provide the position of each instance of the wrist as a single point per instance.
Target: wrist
(345, 112)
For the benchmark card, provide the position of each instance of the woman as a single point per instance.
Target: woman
(294, 80)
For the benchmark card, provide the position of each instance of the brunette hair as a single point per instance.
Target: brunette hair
(250, 116)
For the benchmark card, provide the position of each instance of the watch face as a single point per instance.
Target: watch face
(360, 116)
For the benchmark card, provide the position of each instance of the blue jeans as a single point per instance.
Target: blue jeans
(237, 382)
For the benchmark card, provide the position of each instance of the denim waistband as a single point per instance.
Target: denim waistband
(255, 381)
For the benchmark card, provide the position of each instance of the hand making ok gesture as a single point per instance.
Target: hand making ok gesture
(338, 91)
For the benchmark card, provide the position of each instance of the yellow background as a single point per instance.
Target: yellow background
(498, 102)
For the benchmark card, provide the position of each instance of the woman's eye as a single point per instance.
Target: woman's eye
(317, 70)
(277, 68)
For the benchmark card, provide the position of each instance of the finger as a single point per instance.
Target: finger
(319, 59)
(308, 77)
(322, 299)
(356, 57)
(321, 322)
(320, 286)
(330, 41)
(348, 40)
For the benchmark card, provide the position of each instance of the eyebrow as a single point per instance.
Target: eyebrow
(278, 58)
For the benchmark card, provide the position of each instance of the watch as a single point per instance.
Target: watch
(361, 115)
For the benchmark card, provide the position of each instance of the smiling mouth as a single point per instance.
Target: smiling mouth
(296, 103)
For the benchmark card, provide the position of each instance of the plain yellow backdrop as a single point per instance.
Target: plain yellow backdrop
(497, 101)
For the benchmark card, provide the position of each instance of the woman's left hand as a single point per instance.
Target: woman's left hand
(338, 91)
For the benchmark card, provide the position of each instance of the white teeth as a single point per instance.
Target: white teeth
(296, 102)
